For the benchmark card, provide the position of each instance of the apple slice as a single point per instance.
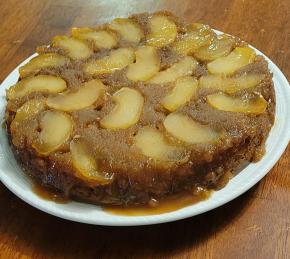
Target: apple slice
(163, 31)
(75, 48)
(185, 88)
(147, 64)
(184, 67)
(154, 145)
(227, 103)
(41, 83)
(239, 57)
(29, 109)
(117, 59)
(82, 98)
(197, 35)
(85, 163)
(127, 111)
(230, 84)
(42, 61)
(128, 29)
(102, 39)
(56, 128)
(186, 129)
(220, 47)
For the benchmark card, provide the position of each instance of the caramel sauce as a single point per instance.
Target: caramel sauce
(165, 205)
(48, 194)
(154, 207)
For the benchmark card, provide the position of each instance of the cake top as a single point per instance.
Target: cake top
(143, 93)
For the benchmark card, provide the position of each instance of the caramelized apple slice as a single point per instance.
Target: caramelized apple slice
(185, 88)
(84, 97)
(102, 39)
(232, 84)
(184, 67)
(220, 47)
(42, 61)
(147, 64)
(186, 129)
(163, 31)
(128, 29)
(41, 83)
(56, 128)
(238, 58)
(117, 59)
(129, 105)
(154, 145)
(84, 162)
(29, 109)
(224, 102)
(195, 37)
(75, 48)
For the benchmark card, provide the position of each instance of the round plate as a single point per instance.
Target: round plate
(13, 177)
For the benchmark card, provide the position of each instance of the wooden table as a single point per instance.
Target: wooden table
(255, 225)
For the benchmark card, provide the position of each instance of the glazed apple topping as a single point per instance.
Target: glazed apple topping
(117, 59)
(239, 57)
(163, 31)
(187, 130)
(27, 111)
(196, 36)
(85, 163)
(127, 111)
(79, 99)
(100, 38)
(42, 61)
(74, 48)
(225, 102)
(220, 47)
(128, 29)
(147, 64)
(184, 89)
(154, 145)
(184, 67)
(40, 83)
(56, 128)
(230, 84)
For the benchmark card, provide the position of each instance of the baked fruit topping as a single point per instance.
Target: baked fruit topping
(117, 59)
(79, 99)
(154, 145)
(184, 67)
(220, 101)
(147, 64)
(85, 163)
(185, 88)
(102, 39)
(127, 111)
(196, 36)
(129, 30)
(74, 48)
(56, 128)
(41, 83)
(239, 57)
(140, 108)
(219, 47)
(187, 130)
(42, 61)
(230, 84)
(163, 31)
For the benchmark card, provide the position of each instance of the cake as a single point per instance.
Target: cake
(139, 109)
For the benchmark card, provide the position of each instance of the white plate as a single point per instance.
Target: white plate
(12, 176)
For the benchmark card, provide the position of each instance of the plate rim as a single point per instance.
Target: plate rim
(183, 213)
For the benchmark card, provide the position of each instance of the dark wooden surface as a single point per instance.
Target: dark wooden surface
(255, 225)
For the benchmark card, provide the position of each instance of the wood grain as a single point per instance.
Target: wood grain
(255, 225)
